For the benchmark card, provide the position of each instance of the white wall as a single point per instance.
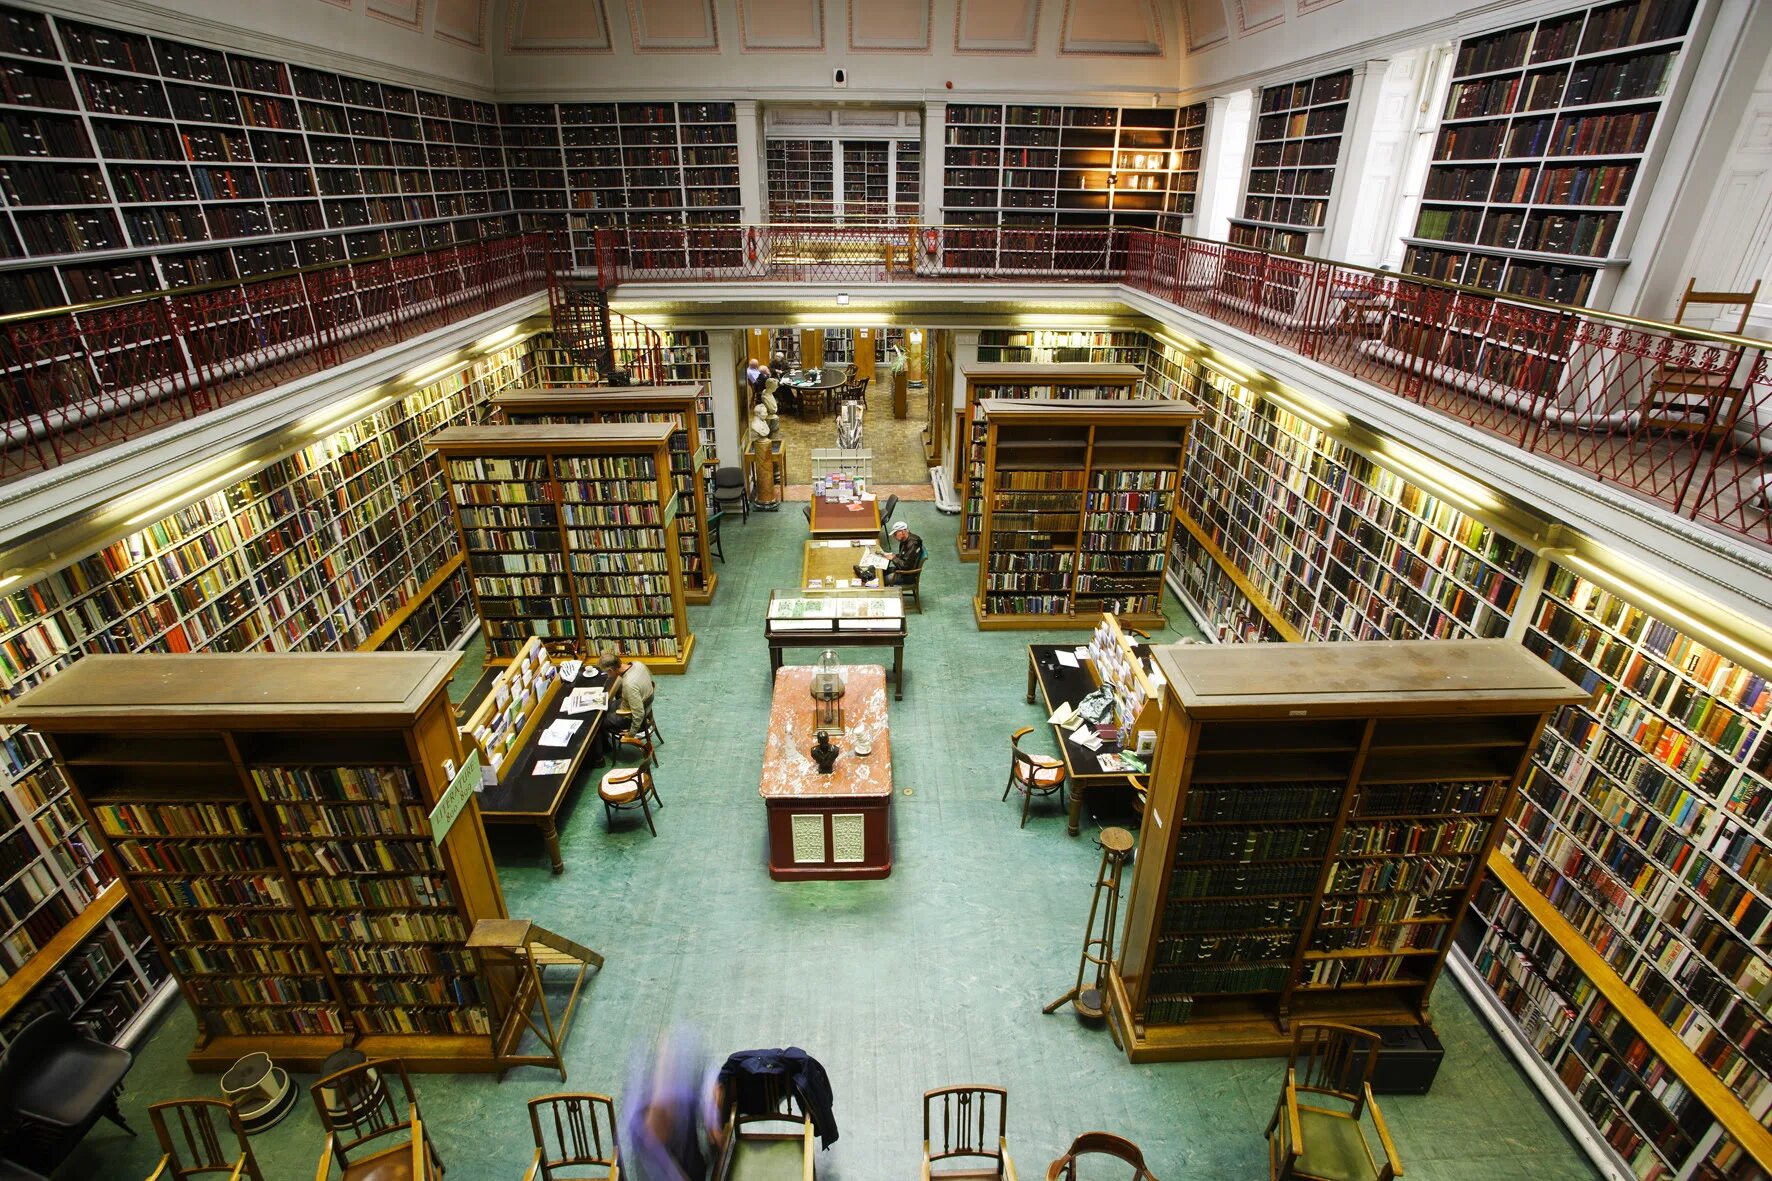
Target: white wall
(317, 33)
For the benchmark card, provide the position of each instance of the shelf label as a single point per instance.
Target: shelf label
(455, 797)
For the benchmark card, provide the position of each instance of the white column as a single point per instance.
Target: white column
(1356, 154)
(935, 117)
(750, 162)
(1221, 164)
(724, 356)
(965, 356)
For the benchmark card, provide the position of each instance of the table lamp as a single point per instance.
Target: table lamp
(827, 692)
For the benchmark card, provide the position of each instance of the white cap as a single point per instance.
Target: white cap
(897, 525)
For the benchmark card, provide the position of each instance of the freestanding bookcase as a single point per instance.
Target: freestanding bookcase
(1079, 505)
(1317, 821)
(571, 535)
(270, 815)
(1023, 380)
(676, 404)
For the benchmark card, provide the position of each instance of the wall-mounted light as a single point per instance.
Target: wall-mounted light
(9, 580)
(1438, 475)
(336, 420)
(487, 343)
(1663, 607)
(842, 299)
(166, 505)
(424, 377)
(916, 336)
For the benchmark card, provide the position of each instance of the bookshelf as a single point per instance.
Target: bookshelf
(1643, 1092)
(269, 814)
(1291, 180)
(1022, 380)
(133, 163)
(799, 173)
(580, 167)
(676, 405)
(1323, 541)
(570, 534)
(1078, 510)
(1048, 346)
(1537, 158)
(101, 971)
(344, 541)
(1317, 820)
(1045, 167)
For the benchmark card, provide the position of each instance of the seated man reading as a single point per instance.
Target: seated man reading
(630, 692)
(908, 556)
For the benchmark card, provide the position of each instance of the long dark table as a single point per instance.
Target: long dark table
(1059, 684)
(523, 798)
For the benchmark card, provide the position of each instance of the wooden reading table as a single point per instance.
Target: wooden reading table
(827, 564)
(1061, 684)
(522, 797)
(828, 827)
(856, 519)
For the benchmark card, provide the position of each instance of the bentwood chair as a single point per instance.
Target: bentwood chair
(1701, 394)
(574, 1138)
(624, 789)
(371, 1136)
(199, 1137)
(966, 1124)
(1032, 775)
(910, 586)
(1100, 1144)
(1317, 1133)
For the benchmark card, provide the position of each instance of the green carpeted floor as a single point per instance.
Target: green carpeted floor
(932, 977)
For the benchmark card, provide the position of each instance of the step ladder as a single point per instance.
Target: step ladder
(514, 956)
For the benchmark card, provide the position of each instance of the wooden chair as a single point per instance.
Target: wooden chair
(1100, 1144)
(193, 1136)
(651, 733)
(1323, 1138)
(856, 391)
(622, 789)
(1704, 399)
(574, 1138)
(910, 586)
(366, 1136)
(772, 1143)
(963, 1118)
(1032, 775)
(714, 545)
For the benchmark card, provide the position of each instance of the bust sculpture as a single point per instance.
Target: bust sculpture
(824, 753)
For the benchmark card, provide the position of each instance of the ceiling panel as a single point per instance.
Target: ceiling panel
(462, 21)
(410, 13)
(996, 26)
(889, 26)
(781, 24)
(1204, 24)
(1112, 26)
(1255, 15)
(557, 26)
(674, 26)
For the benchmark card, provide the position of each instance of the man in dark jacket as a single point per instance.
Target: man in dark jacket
(908, 556)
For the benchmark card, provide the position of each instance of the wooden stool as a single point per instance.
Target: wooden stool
(1098, 950)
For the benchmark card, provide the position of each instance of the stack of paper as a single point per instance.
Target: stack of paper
(559, 732)
(582, 701)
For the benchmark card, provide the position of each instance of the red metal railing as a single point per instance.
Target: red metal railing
(1679, 416)
(83, 378)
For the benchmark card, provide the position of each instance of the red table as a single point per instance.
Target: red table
(855, 519)
(828, 827)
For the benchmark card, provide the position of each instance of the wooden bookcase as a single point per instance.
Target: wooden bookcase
(579, 167)
(1548, 131)
(132, 162)
(678, 405)
(1045, 167)
(1020, 380)
(1317, 821)
(102, 971)
(1292, 163)
(571, 535)
(1079, 504)
(270, 815)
